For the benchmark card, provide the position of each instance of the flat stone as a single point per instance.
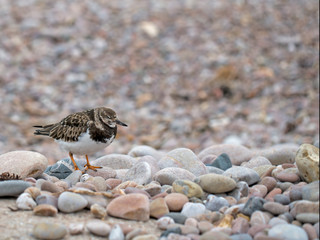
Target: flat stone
(281, 198)
(115, 161)
(307, 160)
(275, 208)
(183, 158)
(12, 188)
(50, 187)
(69, 202)
(133, 206)
(242, 174)
(76, 228)
(304, 206)
(215, 183)
(288, 232)
(64, 167)
(139, 173)
(236, 153)
(308, 217)
(264, 170)
(269, 182)
(188, 188)
(49, 230)
(23, 163)
(98, 227)
(168, 175)
(104, 172)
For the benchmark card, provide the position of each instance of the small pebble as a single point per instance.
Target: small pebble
(76, 228)
(69, 202)
(193, 209)
(45, 210)
(47, 230)
(98, 211)
(116, 233)
(25, 202)
(98, 227)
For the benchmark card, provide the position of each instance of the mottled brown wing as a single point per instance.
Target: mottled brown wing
(71, 127)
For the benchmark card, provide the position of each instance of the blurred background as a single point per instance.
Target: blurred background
(180, 73)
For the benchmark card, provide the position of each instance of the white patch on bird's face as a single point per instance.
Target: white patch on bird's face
(84, 146)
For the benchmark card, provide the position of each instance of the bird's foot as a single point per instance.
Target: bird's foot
(88, 166)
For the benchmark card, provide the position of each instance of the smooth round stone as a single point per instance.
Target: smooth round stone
(143, 150)
(264, 170)
(258, 190)
(104, 172)
(191, 222)
(256, 162)
(288, 175)
(23, 163)
(282, 199)
(76, 228)
(215, 183)
(158, 208)
(115, 161)
(25, 202)
(152, 188)
(50, 187)
(69, 202)
(252, 205)
(98, 211)
(45, 210)
(304, 206)
(271, 194)
(47, 230)
(240, 225)
(99, 183)
(116, 233)
(288, 232)
(236, 153)
(214, 170)
(177, 217)
(12, 188)
(113, 182)
(242, 174)
(215, 203)
(284, 185)
(168, 175)
(204, 226)
(98, 199)
(307, 160)
(222, 162)
(310, 230)
(183, 158)
(98, 227)
(47, 199)
(188, 188)
(276, 221)
(193, 209)
(241, 236)
(279, 154)
(295, 194)
(308, 217)
(275, 208)
(175, 201)
(164, 222)
(139, 173)
(133, 206)
(260, 218)
(311, 191)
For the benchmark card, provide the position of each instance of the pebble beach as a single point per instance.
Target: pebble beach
(221, 99)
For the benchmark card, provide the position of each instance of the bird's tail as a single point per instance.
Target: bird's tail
(45, 130)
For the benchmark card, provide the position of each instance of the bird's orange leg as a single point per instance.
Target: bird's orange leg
(74, 162)
(88, 166)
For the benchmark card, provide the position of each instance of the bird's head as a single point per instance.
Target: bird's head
(109, 117)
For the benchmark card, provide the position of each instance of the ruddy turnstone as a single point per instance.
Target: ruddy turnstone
(84, 132)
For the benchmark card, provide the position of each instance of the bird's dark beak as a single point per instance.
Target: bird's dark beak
(121, 123)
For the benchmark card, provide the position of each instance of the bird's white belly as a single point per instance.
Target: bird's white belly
(84, 146)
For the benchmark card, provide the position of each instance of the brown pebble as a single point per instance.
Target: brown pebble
(50, 187)
(269, 182)
(113, 182)
(158, 208)
(33, 191)
(175, 201)
(45, 210)
(271, 194)
(310, 230)
(204, 226)
(240, 225)
(191, 222)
